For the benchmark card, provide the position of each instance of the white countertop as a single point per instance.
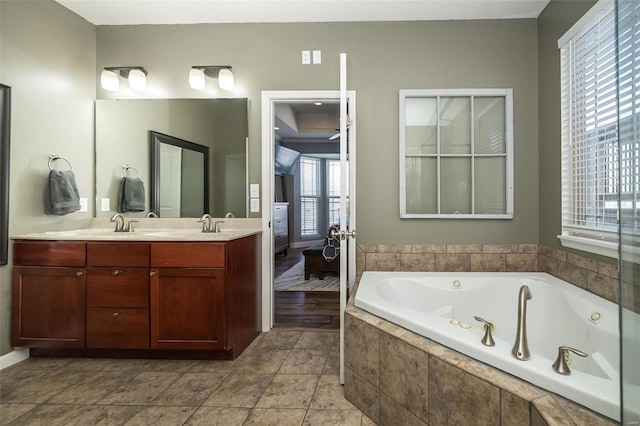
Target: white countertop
(153, 230)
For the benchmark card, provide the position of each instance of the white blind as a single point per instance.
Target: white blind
(629, 112)
(309, 195)
(589, 129)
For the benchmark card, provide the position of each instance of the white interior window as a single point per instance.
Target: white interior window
(309, 196)
(456, 153)
(590, 170)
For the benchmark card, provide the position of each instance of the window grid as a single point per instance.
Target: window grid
(505, 135)
(333, 191)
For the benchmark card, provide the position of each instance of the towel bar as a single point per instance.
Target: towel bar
(126, 168)
(53, 157)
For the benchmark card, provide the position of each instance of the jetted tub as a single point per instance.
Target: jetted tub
(441, 306)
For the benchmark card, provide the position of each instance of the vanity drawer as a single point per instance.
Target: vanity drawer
(48, 253)
(117, 328)
(120, 254)
(188, 255)
(118, 287)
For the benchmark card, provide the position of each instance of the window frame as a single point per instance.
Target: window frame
(507, 94)
(597, 240)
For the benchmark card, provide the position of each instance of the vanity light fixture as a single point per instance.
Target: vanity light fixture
(136, 75)
(223, 73)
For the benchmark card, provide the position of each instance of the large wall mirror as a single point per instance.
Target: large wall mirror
(122, 138)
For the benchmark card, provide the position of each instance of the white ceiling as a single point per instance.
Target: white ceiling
(132, 12)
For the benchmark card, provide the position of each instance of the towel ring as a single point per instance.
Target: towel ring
(126, 168)
(53, 157)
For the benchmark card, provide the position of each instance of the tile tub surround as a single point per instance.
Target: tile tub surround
(286, 377)
(392, 373)
(599, 278)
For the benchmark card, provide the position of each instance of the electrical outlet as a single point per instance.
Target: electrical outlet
(317, 56)
(84, 205)
(306, 57)
(105, 205)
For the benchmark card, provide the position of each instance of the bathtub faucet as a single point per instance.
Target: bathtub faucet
(521, 347)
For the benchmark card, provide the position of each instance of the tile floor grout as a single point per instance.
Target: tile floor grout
(287, 397)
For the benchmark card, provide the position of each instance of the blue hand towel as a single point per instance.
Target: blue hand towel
(131, 195)
(61, 194)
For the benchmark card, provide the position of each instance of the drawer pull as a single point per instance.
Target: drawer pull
(116, 272)
(115, 314)
(79, 273)
(152, 273)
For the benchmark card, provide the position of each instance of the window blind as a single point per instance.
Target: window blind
(629, 113)
(309, 195)
(590, 172)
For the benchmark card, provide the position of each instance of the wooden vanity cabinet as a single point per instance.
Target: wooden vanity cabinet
(117, 295)
(137, 297)
(48, 300)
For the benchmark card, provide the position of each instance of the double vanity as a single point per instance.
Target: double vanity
(167, 289)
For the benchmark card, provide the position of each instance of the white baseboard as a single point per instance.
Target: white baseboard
(13, 357)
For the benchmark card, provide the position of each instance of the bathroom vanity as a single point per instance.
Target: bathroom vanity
(175, 292)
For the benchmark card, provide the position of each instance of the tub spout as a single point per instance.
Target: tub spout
(521, 347)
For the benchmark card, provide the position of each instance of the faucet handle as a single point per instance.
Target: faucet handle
(129, 226)
(561, 364)
(216, 227)
(488, 328)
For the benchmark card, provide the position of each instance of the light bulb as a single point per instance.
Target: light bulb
(137, 80)
(109, 81)
(196, 79)
(225, 79)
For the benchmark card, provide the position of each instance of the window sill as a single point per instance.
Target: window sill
(602, 248)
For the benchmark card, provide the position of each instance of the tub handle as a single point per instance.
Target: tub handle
(488, 328)
(561, 365)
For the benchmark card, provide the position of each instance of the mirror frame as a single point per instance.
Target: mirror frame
(5, 138)
(156, 139)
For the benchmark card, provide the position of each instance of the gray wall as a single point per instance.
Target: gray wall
(47, 56)
(383, 58)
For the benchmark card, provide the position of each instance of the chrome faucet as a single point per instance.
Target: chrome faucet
(206, 223)
(151, 214)
(521, 347)
(119, 220)
(229, 215)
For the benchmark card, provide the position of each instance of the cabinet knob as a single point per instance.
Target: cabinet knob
(116, 272)
(115, 314)
(79, 273)
(152, 273)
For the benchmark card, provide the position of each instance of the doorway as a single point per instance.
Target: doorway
(306, 275)
(273, 187)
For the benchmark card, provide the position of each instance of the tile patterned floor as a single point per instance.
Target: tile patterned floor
(286, 377)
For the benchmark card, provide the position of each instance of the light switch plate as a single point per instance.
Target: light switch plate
(105, 205)
(317, 56)
(255, 205)
(84, 204)
(306, 57)
(254, 190)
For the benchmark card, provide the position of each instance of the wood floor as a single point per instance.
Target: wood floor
(311, 309)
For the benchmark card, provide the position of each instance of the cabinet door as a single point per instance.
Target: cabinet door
(48, 307)
(187, 308)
